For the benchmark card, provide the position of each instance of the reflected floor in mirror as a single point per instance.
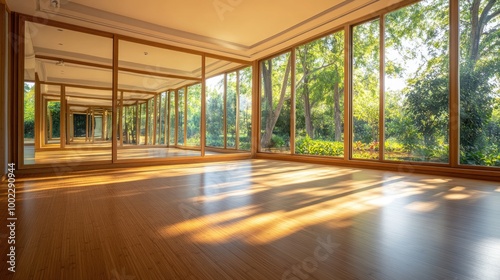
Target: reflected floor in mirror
(102, 152)
(255, 219)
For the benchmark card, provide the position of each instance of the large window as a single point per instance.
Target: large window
(276, 104)
(151, 121)
(231, 107)
(320, 97)
(416, 108)
(480, 82)
(172, 118)
(409, 114)
(215, 111)
(181, 111)
(129, 125)
(29, 112)
(245, 109)
(53, 122)
(229, 111)
(366, 90)
(193, 125)
(142, 123)
(160, 118)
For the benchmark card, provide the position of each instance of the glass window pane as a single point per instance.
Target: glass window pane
(130, 125)
(160, 119)
(172, 118)
(180, 119)
(150, 130)
(320, 97)
(275, 104)
(416, 82)
(194, 115)
(245, 109)
(53, 126)
(29, 118)
(142, 116)
(479, 84)
(215, 111)
(231, 104)
(365, 90)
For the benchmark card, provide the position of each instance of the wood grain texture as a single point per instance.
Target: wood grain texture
(253, 219)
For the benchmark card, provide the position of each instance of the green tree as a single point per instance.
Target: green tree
(479, 77)
(276, 90)
(29, 110)
(320, 74)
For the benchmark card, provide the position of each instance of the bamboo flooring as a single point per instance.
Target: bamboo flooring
(253, 219)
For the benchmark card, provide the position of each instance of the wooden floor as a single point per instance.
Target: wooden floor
(254, 219)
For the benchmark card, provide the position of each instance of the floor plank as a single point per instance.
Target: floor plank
(253, 219)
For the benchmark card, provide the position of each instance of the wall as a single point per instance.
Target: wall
(4, 108)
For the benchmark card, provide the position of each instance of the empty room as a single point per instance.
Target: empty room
(238, 139)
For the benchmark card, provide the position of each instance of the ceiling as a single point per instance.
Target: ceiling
(241, 29)
(83, 63)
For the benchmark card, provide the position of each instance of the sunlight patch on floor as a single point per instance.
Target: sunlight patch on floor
(436, 181)
(422, 206)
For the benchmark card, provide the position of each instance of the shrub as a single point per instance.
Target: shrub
(393, 146)
(277, 141)
(308, 146)
(29, 129)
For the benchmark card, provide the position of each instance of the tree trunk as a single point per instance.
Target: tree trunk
(478, 21)
(272, 115)
(306, 97)
(337, 113)
(474, 33)
(307, 108)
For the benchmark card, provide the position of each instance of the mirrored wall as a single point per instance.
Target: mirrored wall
(228, 107)
(75, 112)
(67, 96)
(159, 93)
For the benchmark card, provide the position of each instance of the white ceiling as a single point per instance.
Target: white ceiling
(243, 29)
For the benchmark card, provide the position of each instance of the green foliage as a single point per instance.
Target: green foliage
(391, 145)
(215, 112)
(277, 141)
(475, 110)
(193, 115)
(54, 109)
(320, 88)
(427, 106)
(307, 146)
(366, 92)
(29, 110)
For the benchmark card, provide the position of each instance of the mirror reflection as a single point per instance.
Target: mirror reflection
(68, 100)
(229, 107)
(67, 96)
(159, 102)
